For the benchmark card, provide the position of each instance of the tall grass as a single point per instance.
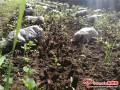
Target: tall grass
(21, 12)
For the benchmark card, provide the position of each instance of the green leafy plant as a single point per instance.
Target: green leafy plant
(31, 43)
(108, 47)
(27, 70)
(56, 62)
(27, 47)
(29, 83)
(65, 34)
(2, 58)
(26, 59)
(1, 87)
(10, 80)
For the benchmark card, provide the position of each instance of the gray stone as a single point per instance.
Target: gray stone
(98, 11)
(26, 34)
(29, 11)
(81, 13)
(28, 5)
(47, 7)
(36, 20)
(85, 35)
(65, 5)
(51, 7)
(60, 4)
(93, 18)
(81, 9)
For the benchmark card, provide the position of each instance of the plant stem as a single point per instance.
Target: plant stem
(22, 7)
